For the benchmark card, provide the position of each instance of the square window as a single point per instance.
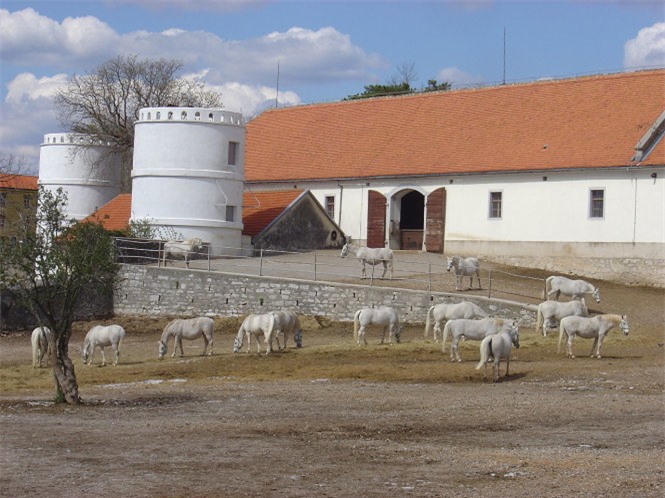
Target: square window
(27, 201)
(496, 199)
(597, 203)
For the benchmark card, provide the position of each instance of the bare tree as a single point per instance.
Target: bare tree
(105, 102)
(48, 271)
(405, 73)
(11, 165)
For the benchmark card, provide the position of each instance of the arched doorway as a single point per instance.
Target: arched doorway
(407, 220)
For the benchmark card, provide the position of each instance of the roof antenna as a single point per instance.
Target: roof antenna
(504, 56)
(277, 92)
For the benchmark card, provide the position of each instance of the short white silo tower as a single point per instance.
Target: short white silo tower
(87, 171)
(188, 173)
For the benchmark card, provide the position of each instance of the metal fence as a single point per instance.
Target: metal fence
(411, 270)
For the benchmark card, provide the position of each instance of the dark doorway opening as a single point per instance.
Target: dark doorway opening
(412, 220)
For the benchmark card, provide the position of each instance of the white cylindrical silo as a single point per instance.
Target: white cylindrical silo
(87, 171)
(188, 173)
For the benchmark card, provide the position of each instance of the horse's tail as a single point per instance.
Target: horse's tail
(484, 351)
(356, 322)
(539, 320)
(562, 330)
(548, 287)
(35, 349)
(428, 322)
(445, 335)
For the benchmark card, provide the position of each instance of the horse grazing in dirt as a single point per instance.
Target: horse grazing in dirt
(597, 328)
(476, 330)
(498, 346)
(102, 336)
(550, 312)
(385, 317)
(42, 341)
(182, 249)
(259, 326)
(370, 256)
(464, 267)
(439, 313)
(576, 289)
(190, 329)
(287, 322)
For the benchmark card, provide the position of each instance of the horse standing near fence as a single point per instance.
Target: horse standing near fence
(576, 289)
(464, 267)
(449, 311)
(42, 340)
(477, 330)
(182, 249)
(287, 322)
(384, 316)
(102, 336)
(259, 326)
(370, 256)
(597, 328)
(190, 329)
(498, 346)
(550, 312)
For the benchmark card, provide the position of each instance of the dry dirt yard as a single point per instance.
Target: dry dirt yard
(334, 419)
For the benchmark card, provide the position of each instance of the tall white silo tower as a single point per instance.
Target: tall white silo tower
(87, 171)
(188, 173)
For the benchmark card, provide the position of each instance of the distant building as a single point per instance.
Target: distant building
(18, 198)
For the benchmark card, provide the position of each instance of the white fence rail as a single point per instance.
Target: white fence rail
(412, 270)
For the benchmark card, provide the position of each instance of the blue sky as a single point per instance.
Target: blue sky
(326, 49)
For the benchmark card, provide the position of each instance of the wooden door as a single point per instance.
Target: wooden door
(376, 219)
(436, 220)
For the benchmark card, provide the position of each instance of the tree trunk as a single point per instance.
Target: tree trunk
(67, 388)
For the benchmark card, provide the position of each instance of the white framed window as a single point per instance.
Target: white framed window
(495, 205)
(330, 206)
(597, 203)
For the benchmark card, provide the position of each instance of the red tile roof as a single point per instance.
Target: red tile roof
(576, 123)
(114, 215)
(261, 208)
(18, 182)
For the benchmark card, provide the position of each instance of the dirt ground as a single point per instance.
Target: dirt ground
(334, 419)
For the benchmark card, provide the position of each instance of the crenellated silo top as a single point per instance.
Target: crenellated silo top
(202, 114)
(73, 139)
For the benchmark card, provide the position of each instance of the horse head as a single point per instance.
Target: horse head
(624, 324)
(345, 250)
(162, 349)
(237, 344)
(85, 353)
(452, 262)
(596, 294)
(297, 337)
(515, 337)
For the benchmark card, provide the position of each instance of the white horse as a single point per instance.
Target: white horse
(259, 326)
(476, 330)
(576, 289)
(550, 312)
(448, 311)
(182, 249)
(597, 327)
(370, 256)
(102, 336)
(287, 322)
(464, 267)
(190, 329)
(42, 340)
(384, 316)
(498, 346)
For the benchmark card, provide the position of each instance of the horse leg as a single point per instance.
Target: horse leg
(101, 348)
(453, 348)
(600, 339)
(507, 364)
(569, 347)
(495, 370)
(361, 334)
(385, 269)
(116, 349)
(364, 272)
(437, 330)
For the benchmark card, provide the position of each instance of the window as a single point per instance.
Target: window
(3, 199)
(2, 221)
(330, 206)
(27, 200)
(496, 199)
(230, 213)
(596, 203)
(233, 151)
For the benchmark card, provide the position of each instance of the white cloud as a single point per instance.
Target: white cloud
(457, 77)
(203, 5)
(647, 48)
(26, 86)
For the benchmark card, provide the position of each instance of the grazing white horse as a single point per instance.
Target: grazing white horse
(190, 329)
(42, 340)
(287, 322)
(384, 316)
(550, 312)
(576, 289)
(498, 346)
(370, 256)
(448, 311)
(597, 327)
(464, 267)
(182, 249)
(476, 330)
(102, 336)
(259, 326)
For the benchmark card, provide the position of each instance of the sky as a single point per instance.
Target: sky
(313, 51)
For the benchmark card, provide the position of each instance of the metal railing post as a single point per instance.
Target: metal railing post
(261, 263)
(489, 290)
(315, 266)
(429, 274)
(209, 268)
